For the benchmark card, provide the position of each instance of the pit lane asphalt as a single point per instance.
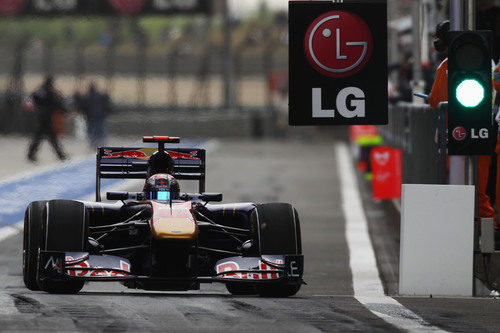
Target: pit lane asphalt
(302, 173)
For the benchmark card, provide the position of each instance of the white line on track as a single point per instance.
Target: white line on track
(368, 289)
(41, 169)
(6, 232)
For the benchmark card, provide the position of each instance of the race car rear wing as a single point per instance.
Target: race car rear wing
(132, 163)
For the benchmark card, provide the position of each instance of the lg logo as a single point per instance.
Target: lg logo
(338, 44)
(350, 103)
(483, 133)
(459, 133)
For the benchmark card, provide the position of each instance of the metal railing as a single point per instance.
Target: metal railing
(412, 128)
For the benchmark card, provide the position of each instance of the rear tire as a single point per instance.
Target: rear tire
(33, 218)
(64, 229)
(278, 233)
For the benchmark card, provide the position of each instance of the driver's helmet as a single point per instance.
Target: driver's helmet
(161, 186)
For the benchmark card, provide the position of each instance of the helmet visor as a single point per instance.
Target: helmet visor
(160, 195)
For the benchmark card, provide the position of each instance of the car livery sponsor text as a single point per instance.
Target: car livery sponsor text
(230, 266)
(79, 269)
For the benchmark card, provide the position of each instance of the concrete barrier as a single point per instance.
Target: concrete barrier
(437, 233)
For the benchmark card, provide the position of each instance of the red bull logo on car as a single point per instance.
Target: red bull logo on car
(189, 156)
(126, 154)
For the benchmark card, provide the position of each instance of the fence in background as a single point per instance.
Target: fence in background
(178, 69)
(180, 66)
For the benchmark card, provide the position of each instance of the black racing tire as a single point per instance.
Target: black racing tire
(33, 218)
(236, 288)
(278, 232)
(278, 289)
(278, 229)
(65, 228)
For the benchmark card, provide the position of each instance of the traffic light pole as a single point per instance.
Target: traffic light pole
(457, 163)
(473, 160)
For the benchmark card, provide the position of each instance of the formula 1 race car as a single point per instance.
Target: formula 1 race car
(160, 238)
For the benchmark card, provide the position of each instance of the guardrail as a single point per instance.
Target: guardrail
(245, 122)
(412, 128)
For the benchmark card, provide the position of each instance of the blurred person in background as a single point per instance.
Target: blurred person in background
(439, 91)
(47, 103)
(96, 107)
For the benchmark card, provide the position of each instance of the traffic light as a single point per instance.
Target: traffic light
(469, 93)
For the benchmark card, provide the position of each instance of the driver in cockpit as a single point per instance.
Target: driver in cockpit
(161, 186)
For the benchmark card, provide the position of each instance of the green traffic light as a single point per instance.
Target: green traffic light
(470, 93)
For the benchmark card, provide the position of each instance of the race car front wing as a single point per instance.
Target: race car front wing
(54, 265)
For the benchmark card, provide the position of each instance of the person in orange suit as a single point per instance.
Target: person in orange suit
(496, 85)
(439, 93)
(496, 78)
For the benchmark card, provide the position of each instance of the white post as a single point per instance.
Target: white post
(436, 247)
(417, 82)
(457, 169)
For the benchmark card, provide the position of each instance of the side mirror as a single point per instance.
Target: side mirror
(117, 195)
(214, 197)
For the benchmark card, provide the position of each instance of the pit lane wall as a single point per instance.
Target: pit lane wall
(413, 129)
(429, 263)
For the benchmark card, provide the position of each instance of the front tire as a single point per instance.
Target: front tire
(65, 229)
(33, 218)
(278, 233)
(240, 289)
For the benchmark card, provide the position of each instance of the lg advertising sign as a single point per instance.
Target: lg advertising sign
(338, 63)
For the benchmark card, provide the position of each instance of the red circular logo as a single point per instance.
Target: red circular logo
(127, 6)
(338, 43)
(11, 7)
(459, 133)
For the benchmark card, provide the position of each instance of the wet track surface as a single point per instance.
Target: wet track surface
(303, 174)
